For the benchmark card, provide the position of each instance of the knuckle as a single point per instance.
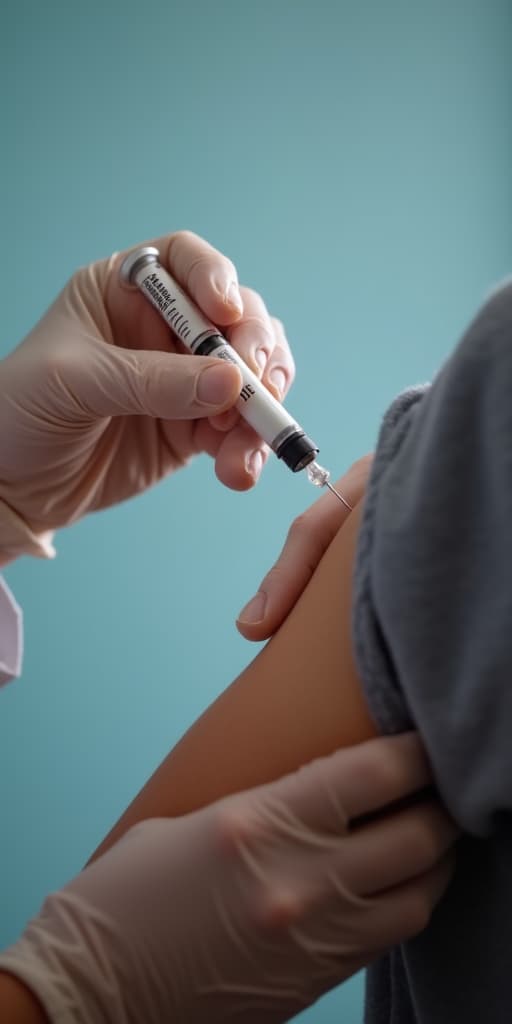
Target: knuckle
(183, 237)
(273, 577)
(278, 907)
(303, 535)
(260, 328)
(282, 359)
(261, 324)
(230, 267)
(252, 297)
(202, 261)
(299, 528)
(201, 252)
(234, 826)
(255, 308)
(225, 265)
(283, 344)
(278, 328)
(276, 580)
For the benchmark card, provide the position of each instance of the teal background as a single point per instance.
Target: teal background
(354, 160)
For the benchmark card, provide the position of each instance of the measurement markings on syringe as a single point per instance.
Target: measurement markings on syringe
(167, 305)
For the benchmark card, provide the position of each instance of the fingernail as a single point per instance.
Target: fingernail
(254, 463)
(254, 610)
(260, 357)
(278, 378)
(233, 297)
(214, 385)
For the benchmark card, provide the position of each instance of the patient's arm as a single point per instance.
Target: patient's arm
(299, 699)
(436, 643)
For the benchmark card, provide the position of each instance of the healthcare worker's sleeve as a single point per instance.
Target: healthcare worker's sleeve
(432, 620)
(11, 635)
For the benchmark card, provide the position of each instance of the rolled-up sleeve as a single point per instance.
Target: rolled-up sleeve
(11, 635)
(432, 618)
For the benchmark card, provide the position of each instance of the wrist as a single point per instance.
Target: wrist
(64, 967)
(18, 1005)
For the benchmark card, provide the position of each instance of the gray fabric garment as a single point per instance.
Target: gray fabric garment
(432, 628)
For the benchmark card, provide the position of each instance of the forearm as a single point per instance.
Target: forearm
(299, 699)
(17, 1004)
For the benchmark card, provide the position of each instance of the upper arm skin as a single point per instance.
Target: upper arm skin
(299, 699)
(18, 1003)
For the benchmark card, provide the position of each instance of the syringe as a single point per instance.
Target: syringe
(142, 269)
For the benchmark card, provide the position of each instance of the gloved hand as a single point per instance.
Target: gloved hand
(308, 538)
(100, 401)
(249, 909)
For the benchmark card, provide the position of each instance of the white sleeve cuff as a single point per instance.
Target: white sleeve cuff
(11, 635)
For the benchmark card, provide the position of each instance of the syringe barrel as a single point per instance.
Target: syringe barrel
(256, 405)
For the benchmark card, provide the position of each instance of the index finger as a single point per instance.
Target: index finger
(357, 781)
(330, 793)
(383, 771)
(209, 277)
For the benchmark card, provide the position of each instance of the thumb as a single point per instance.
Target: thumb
(166, 385)
(308, 539)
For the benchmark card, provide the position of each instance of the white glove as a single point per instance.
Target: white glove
(99, 401)
(247, 910)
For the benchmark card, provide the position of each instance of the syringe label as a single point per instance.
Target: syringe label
(257, 405)
(223, 352)
(166, 303)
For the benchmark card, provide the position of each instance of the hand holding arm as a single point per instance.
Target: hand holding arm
(249, 909)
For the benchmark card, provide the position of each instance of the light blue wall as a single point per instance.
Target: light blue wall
(354, 160)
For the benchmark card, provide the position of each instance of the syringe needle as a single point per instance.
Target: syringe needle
(339, 496)
(319, 476)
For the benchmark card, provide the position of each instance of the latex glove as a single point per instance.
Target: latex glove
(100, 401)
(247, 910)
(308, 538)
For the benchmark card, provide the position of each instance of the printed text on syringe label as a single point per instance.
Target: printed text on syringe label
(258, 407)
(247, 390)
(166, 303)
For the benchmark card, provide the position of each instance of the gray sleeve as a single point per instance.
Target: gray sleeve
(432, 619)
